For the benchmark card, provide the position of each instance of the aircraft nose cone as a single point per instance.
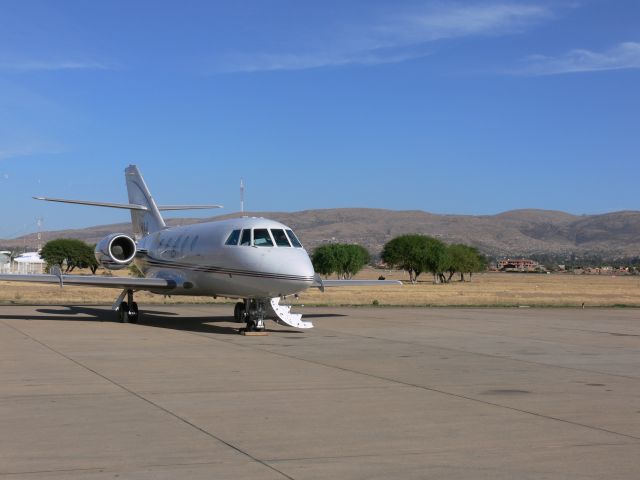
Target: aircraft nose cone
(307, 267)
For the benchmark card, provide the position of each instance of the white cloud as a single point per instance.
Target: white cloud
(398, 37)
(461, 21)
(283, 61)
(42, 65)
(7, 153)
(16, 152)
(622, 56)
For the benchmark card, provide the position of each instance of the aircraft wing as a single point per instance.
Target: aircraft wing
(322, 284)
(359, 283)
(95, 281)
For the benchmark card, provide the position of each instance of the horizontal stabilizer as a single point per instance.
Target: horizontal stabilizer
(126, 206)
(163, 208)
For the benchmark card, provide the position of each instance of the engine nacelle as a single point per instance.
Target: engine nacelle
(116, 251)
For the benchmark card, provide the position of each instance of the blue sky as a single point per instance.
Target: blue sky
(449, 107)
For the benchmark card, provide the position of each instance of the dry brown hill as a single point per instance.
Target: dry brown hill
(516, 232)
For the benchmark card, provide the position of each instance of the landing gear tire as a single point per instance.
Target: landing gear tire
(123, 312)
(128, 312)
(133, 313)
(238, 312)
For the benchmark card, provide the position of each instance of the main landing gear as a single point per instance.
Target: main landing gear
(252, 311)
(128, 310)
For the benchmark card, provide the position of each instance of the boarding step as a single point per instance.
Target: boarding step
(282, 313)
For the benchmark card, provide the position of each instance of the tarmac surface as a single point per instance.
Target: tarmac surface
(368, 393)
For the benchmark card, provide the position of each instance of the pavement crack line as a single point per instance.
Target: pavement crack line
(64, 470)
(390, 454)
(152, 403)
(488, 355)
(422, 387)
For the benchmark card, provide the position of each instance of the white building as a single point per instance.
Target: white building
(5, 261)
(28, 263)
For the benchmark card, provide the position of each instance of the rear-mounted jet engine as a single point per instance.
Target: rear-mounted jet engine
(115, 251)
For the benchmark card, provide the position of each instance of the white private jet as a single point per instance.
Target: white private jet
(256, 260)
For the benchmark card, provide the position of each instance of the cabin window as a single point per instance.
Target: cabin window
(261, 238)
(246, 238)
(233, 238)
(294, 240)
(184, 243)
(280, 237)
(193, 242)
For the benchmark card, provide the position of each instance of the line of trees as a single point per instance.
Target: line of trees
(341, 258)
(414, 253)
(74, 253)
(420, 253)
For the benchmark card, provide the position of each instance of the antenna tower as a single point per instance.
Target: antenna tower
(39, 221)
(241, 195)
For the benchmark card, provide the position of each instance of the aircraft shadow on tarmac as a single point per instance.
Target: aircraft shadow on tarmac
(151, 318)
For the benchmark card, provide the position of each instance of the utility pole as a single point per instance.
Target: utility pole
(39, 221)
(241, 195)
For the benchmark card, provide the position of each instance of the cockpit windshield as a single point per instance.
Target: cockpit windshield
(233, 238)
(280, 237)
(261, 238)
(246, 237)
(294, 240)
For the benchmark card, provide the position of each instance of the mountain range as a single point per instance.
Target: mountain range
(511, 233)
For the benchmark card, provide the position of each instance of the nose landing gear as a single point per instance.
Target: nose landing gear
(239, 312)
(252, 311)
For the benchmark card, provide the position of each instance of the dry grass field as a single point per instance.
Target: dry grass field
(492, 290)
(487, 289)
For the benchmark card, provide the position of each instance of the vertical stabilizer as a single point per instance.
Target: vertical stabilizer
(147, 221)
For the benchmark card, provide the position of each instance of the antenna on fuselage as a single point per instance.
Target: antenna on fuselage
(241, 195)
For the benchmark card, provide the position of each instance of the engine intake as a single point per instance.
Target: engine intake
(115, 251)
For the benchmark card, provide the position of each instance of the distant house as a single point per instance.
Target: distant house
(28, 263)
(518, 265)
(5, 261)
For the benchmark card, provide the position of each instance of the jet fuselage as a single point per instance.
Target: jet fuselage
(203, 260)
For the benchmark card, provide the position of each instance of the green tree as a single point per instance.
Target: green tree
(343, 259)
(55, 252)
(437, 259)
(465, 259)
(75, 253)
(420, 253)
(354, 258)
(324, 261)
(403, 252)
(416, 254)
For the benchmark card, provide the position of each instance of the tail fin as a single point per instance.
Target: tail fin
(143, 221)
(145, 214)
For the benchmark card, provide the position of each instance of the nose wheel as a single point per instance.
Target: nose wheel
(128, 310)
(254, 314)
(239, 312)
